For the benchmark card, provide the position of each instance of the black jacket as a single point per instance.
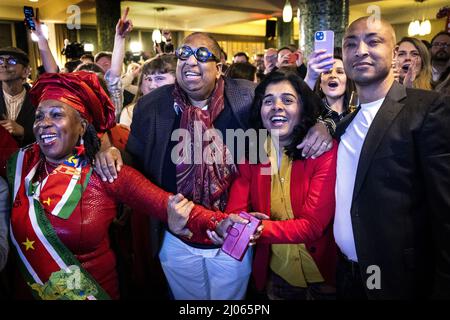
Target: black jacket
(401, 200)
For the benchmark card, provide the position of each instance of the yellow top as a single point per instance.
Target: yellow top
(292, 262)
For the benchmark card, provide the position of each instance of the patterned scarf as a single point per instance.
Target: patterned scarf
(204, 176)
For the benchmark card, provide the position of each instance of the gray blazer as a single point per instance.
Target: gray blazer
(151, 129)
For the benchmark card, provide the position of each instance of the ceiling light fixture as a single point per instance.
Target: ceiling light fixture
(88, 47)
(419, 28)
(287, 12)
(156, 36)
(136, 47)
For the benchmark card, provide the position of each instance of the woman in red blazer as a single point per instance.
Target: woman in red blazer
(286, 107)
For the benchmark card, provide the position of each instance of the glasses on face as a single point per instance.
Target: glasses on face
(8, 61)
(441, 44)
(202, 54)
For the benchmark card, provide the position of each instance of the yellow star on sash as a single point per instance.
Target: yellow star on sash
(47, 202)
(28, 245)
(73, 160)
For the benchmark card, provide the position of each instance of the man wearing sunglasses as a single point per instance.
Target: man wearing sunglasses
(200, 95)
(16, 110)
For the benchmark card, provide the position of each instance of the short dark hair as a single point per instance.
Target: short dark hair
(87, 56)
(440, 33)
(241, 54)
(102, 54)
(285, 48)
(215, 45)
(72, 65)
(311, 105)
(244, 70)
(88, 66)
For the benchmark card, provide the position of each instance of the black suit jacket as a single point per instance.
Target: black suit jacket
(25, 117)
(151, 130)
(401, 200)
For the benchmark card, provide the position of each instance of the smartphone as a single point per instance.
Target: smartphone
(238, 236)
(325, 40)
(29, 13)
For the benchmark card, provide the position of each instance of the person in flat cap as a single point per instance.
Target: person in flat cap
(61, 208)
(16, 109)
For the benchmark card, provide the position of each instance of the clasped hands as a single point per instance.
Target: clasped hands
(179, 208)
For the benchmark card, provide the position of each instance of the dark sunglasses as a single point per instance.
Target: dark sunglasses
(8, 60)
(202, 54)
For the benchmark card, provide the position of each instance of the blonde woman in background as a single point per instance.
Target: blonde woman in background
(413, 63)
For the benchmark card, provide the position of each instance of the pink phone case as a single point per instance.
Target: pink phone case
(324, 40)
(238, 237)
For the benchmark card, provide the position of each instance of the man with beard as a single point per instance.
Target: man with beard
(440, 57)
(16, 110)
(393, 188)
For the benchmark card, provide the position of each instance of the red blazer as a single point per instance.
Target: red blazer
(313, 204)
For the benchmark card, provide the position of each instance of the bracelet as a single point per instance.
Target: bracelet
(329, 125)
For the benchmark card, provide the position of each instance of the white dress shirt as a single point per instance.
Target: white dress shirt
(349, 151)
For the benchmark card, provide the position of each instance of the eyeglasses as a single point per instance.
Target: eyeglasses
(9, 61)
(441, 44)
(202, 54)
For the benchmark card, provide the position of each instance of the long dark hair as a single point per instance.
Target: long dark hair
(310, 107)
(349, 87)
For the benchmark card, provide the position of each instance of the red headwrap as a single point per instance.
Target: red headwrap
(80, 90)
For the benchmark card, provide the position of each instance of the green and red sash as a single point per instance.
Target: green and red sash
(49, 268)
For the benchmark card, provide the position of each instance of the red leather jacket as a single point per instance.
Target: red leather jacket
(313, 204)
(85, 233)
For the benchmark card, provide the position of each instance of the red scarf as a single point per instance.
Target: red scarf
(204, 182)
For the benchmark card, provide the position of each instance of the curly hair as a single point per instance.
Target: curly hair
(310, 105)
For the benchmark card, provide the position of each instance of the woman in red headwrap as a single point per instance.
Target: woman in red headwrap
(61, 208)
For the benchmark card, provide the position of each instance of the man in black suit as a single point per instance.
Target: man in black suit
(392, 220)
(16, 110)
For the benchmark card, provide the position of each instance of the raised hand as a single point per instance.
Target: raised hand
(299, 61)
(411, 75)
(124, 25)
(316, 66)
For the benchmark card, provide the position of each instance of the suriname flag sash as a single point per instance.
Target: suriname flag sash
(49, 268)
